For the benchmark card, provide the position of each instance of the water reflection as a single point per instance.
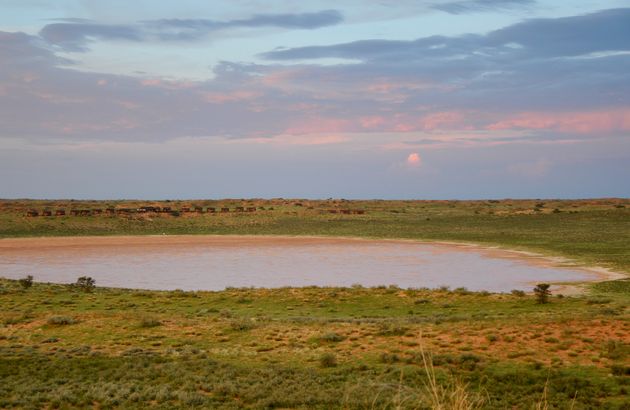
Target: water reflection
(208, 263)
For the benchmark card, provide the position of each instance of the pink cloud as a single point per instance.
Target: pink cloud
(234, 96)
(294, 140)
(442, 120)
(321, 126)
(585, 122)
(151, 82)
(372, 122)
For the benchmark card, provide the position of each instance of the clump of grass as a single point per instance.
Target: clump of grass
(598, 301)
(389, 358)
(149, 322)
(61, 321)
(620, 370)
(242, 325)
(442, 396)
(331, 337)
(328, 360)
(392, 329)
(517, 292)
(616, 349)
(14, 320)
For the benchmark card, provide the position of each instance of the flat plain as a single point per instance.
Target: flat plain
(62, 346)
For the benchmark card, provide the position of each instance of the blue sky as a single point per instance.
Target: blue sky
(353, 99)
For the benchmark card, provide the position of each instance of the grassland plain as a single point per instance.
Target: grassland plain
(61, 347)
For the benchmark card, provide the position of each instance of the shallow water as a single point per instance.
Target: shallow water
(208, 263)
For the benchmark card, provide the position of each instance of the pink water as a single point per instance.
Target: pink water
(210, 263)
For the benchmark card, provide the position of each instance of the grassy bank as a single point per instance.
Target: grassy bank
(595, 232)
(310, 348)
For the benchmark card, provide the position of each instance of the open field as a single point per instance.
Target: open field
(61, 347)
(309, 347)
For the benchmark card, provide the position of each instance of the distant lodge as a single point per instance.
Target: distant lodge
(166, 210)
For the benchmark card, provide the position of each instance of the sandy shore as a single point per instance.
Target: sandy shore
(137, 242)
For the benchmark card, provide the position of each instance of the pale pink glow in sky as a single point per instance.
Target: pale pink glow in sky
(442, 120)
(234, 96)
(588, 122)
(169, 84)
(372, 122)
(285, 139)
(321, 125)
(413, 159)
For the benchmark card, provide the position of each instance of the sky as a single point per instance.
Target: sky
(393, 99)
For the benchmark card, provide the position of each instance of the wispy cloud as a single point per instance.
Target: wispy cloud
(606, 30)
(76, 34)
(473, 6)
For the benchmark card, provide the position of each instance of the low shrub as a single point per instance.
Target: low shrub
(542, 293)
(242, 325)
(392, 329)
(26, 282)
(328, 360)
(85, 283)
(61, 321)
(148, 322)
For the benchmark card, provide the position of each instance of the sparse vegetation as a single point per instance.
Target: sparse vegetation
(125, 348)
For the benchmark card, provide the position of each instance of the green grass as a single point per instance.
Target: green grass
(307, 347)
